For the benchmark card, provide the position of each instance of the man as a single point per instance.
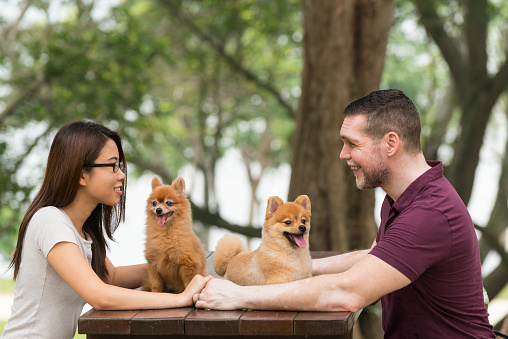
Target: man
(424, 263)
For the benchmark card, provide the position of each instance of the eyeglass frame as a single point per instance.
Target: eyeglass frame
(116, 166)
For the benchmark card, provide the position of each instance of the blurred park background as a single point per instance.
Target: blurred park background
(244, 100)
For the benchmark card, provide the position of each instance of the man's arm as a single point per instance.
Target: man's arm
(364, 283)
(338, 263)
(132, 276)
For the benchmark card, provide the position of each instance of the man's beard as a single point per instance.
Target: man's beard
(374, 176)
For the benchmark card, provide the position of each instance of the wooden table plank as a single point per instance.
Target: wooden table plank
(218, 323)
(325, 323)
(267, 323)
(106, 322)
(160, 322)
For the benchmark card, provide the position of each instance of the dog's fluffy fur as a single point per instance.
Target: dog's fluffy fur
(173, 251)
(283, 254)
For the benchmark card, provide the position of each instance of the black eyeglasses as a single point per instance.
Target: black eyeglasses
(116, 166)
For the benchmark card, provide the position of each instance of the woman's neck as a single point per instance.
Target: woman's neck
(79, 212)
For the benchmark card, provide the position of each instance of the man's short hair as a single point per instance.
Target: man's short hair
(389, 111)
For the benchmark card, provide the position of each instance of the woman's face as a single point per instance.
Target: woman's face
(103, 185)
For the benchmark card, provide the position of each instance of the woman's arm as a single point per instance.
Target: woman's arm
(132, 276)
(338, 263)
(364, 283)
(68, 262)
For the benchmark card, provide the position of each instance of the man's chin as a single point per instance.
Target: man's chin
(362, 185)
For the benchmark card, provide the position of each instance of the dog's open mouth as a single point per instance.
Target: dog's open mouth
(161, 219)
(296, 239)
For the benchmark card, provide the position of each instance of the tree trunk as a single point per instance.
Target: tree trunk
(345, 45)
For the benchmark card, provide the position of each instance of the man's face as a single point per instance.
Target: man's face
(362, 154)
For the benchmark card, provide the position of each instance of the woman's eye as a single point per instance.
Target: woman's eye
(154, 203)
(288, 222)
(169, 203)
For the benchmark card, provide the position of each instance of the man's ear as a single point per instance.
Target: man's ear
(392, 142)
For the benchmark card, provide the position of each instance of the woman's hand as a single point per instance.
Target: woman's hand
(195, 286)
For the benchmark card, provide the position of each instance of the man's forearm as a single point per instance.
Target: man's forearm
(131, 276)
(337, 264)
(314, 294)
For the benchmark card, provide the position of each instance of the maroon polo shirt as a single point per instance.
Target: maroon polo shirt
(428, 236)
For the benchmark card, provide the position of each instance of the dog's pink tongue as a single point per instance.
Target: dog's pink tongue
(161, 219)
(300, 241)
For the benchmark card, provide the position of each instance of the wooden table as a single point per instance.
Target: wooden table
(189, 322)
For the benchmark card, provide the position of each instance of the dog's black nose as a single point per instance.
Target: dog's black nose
(302, 228)
(158, 210)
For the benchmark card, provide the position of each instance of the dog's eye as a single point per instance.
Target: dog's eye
(303, 221)
(169, 203)
(288, 222)
(154, 203)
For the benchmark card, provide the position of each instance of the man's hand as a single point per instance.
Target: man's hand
(220, 294)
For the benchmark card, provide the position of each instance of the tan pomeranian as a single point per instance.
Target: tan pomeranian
(283, 254)
(173, 251)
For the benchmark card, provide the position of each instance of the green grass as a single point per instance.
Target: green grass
(79, 336)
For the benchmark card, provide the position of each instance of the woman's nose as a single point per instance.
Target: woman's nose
(121, 174)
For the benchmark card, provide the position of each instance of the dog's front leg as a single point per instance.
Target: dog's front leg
(156, 281)
(191, 269)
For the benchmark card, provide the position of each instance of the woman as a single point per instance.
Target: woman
(60, 258)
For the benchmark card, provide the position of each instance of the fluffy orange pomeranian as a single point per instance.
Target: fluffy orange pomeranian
(283, 254)
(173, 251)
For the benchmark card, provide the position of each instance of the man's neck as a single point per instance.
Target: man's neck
(404, 171)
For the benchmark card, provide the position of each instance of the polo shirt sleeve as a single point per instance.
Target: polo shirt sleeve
(417, 239)
(51, 227)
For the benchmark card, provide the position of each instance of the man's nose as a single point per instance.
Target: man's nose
(344, 153)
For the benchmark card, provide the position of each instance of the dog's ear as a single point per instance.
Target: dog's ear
(304, 201)
(179, 185)
(156, 183)
(272, 206)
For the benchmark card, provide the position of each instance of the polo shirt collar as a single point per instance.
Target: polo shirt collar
(407, 197)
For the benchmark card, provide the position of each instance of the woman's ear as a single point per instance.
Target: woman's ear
(83, 179)
(392, 143)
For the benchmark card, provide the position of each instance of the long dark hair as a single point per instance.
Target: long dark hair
(75, 145)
